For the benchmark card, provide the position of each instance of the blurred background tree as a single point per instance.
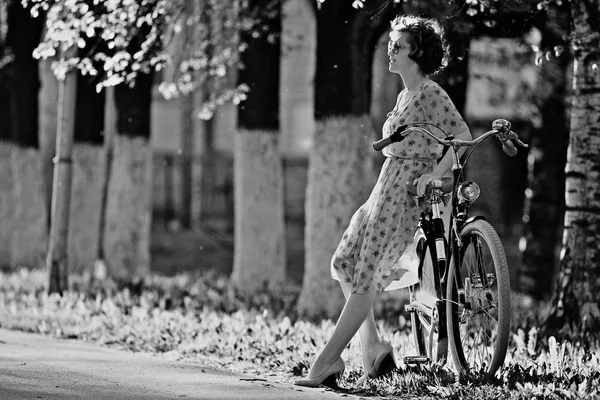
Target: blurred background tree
(576, 300)
(340, 172)
(260, 251)
(24, 239)
(544, 201)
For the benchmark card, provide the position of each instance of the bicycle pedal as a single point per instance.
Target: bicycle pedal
(409, 308)
(411, 360)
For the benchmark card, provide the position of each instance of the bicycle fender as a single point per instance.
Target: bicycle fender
(474, 218)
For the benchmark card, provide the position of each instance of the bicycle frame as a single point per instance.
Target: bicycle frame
(459, 215)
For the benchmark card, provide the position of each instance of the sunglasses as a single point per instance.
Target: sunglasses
(394, 47)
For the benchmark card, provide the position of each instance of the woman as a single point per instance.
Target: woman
(367, 259)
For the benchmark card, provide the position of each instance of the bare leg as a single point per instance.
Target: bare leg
(357, 308)
(369, 339)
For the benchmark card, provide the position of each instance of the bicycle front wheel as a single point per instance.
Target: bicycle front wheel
(478, 328)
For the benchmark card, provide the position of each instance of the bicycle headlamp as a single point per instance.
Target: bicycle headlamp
(468, 192)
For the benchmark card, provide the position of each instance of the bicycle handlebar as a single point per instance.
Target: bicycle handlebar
(500, 127)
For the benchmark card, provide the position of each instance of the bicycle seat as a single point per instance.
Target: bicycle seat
(447, 186)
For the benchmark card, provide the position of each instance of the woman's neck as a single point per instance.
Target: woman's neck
(412, 80)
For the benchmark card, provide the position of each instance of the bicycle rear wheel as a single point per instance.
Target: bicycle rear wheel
(478, 329)
(425, 325)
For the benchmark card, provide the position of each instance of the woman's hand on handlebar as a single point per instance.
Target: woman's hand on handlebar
(424, 180)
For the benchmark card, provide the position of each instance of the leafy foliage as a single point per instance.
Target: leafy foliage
(194, 43)
(201, 318)
(487, 13)
(118, 39)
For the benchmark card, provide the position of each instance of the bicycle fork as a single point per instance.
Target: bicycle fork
(480, 279)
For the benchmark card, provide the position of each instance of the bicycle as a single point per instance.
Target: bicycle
(462, 298)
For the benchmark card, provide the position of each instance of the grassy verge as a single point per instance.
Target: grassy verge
(201, 318)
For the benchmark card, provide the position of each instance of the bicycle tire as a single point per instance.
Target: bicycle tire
(475, 347)
(437, 349)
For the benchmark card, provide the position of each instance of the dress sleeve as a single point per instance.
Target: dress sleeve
(436, 107)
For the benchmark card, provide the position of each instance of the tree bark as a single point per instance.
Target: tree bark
(30, 216)
(86, 207)
(28, 235)
(48, 111)
(187, 159)
(260, 252)
(340, 175)
(187, 125)
(56, 261)
(128, 214)
(7, 204)
(110, 124)
(544, 205)
(6, 57)
(575, 307)
(88, 176)
(89, 115)
(23, 35)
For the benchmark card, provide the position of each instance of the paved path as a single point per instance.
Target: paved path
(38, 367)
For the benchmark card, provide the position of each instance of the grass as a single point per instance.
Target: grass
(202, 318)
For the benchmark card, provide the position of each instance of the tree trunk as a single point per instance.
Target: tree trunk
(88, 175)
(29, 235)
(340, 165)
(187, 126)
(187, 158)
(7, 203)
(48, 111)
(340, 175)
(260, 252)
(6, 58)
(544, 204)
(575, 308)
(56, 261)
(204, 173)
(110, 123)
(86, 207)
(128, 210)
(23, 36)
(89, 115)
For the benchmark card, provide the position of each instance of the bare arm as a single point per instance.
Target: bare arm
(445, 163)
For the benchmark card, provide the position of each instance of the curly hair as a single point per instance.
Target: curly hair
(428, 46)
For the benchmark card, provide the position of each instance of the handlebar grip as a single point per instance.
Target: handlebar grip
(393, 138)
(508, 147)
(521, 143)
(382, 143)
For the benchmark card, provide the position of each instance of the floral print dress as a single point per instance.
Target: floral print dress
(376, 250)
